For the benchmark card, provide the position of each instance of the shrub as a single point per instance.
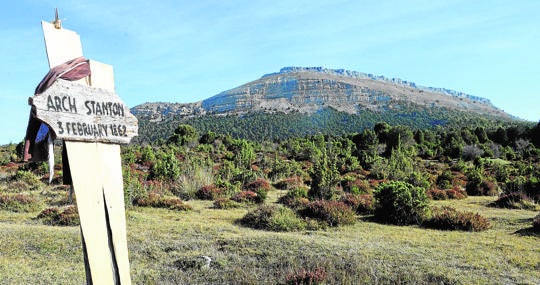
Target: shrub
(448, 218)
(19, 203)
(478, 185)
(400, 203)
(515, 200)
(289, 183)
(536, 223)
(225, 203)
(293, 202)
(259, 186)
(246, 197)
(456, 193)
(273, 218)
(305, 277)
(56, 217)
(358, 186)
(334, 213)
(437, 194)
(29, 178)
(209, 192)
(362, 204)
(156, 200)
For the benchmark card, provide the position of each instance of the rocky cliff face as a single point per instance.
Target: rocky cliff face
(307, 90)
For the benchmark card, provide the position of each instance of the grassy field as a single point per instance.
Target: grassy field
(166, 247)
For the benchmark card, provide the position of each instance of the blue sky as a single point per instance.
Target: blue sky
(186, 51)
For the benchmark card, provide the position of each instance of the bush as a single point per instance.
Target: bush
(358, 186)
(333, 213)
(515, 200)
(209, 192)
(273, 218)
(362, 204)
(536, 223)
(247, 197)
(56, 217)
(448, 218)
(437, 194)
(305, 277)
(225, 203)
(289, 183)
(400, 203)
(294, 202)
(29, 178)
(259, 186)
(456, 193)
(19, 203)
(478, 185)
(156, 200)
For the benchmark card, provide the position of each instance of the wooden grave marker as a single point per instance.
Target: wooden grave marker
(93, 121)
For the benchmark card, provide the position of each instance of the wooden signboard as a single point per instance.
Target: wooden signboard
(77, 112)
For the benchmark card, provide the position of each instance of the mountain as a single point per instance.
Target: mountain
(314, 98)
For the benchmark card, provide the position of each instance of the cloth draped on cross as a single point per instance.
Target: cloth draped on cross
(38, 142)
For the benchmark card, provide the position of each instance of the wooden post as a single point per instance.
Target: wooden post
(91, 139)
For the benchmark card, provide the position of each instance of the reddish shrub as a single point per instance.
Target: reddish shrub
(258, 184)
(437, 194)
(209, 192)
(334, 213)
(448, 218)
(246, 197)
(456, 193)
(56, 217)
(305, 277)
(362, 204)
(289, 183)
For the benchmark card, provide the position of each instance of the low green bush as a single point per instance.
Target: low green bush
(400, 203)
(333, 213)
(448, 218)
(156, 200)
(273, 218)
(19, 203)
(225, 203)
(29, 178)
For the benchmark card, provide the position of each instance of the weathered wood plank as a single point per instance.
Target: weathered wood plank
(77, 112)
(61, 44)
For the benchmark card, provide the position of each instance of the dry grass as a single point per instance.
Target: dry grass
(166, 247)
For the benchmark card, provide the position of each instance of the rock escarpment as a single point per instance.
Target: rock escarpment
(310, 89)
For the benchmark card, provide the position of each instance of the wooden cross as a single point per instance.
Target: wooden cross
(92, 140)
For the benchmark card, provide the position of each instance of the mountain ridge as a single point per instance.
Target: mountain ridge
(334, 98)
(308, 89)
